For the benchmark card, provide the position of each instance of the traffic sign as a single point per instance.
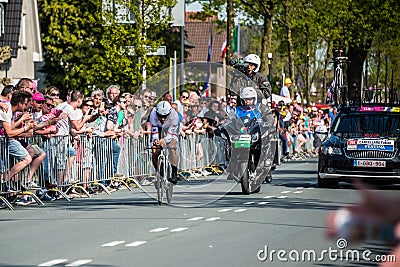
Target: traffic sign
(160, 51)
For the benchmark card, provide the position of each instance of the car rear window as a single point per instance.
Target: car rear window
(367, 124)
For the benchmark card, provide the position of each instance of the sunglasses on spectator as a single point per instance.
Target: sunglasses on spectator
(123, 101)
(39, 101)
(184, 97)
(55, 94)
(138, 106)
(49, 105)
(147, 96)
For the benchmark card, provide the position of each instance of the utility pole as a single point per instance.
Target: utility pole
(229, 28)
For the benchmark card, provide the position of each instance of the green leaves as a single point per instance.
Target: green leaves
(83, 52)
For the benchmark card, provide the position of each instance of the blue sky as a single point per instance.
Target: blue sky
(194, 7)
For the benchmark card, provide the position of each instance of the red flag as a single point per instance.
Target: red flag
(223, 50)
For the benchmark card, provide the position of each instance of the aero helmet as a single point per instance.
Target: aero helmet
(163, 108)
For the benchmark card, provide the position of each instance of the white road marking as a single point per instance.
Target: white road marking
(79, 263)
(300, 187)
(158, 230)
(112, 244)
(195, 218)
(249, 203)
(269, 196)
(298, 192)
(240, 210)
(53, 262)
(285, 192)
(224, 210)
(263, 203)
(179, 229)
(212, 219)
(282, 197)
(136, 243)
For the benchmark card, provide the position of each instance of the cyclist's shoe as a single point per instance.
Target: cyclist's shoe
(173, 179)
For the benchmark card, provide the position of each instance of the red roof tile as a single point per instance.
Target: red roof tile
(198, 34)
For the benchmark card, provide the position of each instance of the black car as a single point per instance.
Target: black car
(363, 143)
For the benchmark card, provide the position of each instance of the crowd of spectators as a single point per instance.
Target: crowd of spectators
(26, 111)
(302, 128)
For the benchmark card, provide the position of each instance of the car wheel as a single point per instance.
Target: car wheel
(326, 183)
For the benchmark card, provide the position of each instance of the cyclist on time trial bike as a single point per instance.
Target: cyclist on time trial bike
(164, 133)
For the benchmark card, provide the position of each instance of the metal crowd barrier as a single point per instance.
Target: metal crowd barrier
(85, 161)
(198, 154)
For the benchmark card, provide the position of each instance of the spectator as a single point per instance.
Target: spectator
(167, 97)
(285, 89)
(113, 123)
(19, 103)
(25, 84)
(5, 97)
(146, 97)
(129, 98)
(374, 214)
(183, 98)
(97, 97)
(112, 92)
(203, 106)
(54, 93)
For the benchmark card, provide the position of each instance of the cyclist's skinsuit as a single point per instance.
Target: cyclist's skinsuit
(167, 131)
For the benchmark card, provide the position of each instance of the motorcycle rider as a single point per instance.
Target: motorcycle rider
(247, 110)
(251, 78)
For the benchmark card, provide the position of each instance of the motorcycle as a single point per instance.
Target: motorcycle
(250, 149)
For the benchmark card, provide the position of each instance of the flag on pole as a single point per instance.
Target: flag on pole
(223, 50)
(209, 53)
(235, 39)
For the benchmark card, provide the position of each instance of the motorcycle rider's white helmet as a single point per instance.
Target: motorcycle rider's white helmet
(249, 93)
(254, 59)
(163, 109)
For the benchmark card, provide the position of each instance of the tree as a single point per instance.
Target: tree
(85, 46)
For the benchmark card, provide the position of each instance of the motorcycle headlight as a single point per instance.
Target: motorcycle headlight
(255, 137)
(234, 138)
(330, 150)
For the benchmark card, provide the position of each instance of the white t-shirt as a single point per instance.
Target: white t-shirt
(64, 125)
(5, 116)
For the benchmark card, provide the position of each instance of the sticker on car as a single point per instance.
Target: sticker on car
(370, 144)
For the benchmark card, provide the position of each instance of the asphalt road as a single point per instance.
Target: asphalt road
(210, 224)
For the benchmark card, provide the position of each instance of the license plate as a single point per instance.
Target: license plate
(370, 163)
(242, 144)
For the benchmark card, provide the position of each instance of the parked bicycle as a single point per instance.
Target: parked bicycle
(337, 93)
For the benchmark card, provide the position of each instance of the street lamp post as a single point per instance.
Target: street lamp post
(269, 72)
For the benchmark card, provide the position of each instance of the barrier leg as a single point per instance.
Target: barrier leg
(8, 204)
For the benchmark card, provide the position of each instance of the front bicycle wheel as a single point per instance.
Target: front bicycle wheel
(169, 187)
(159, 182)
(169, 191)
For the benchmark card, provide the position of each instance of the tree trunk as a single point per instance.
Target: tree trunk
(356, 56)
(230, 24)
(266, 44)
(290, 45)
(327, 59)
(305, 93)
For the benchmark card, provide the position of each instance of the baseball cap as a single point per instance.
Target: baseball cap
(38, 96)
